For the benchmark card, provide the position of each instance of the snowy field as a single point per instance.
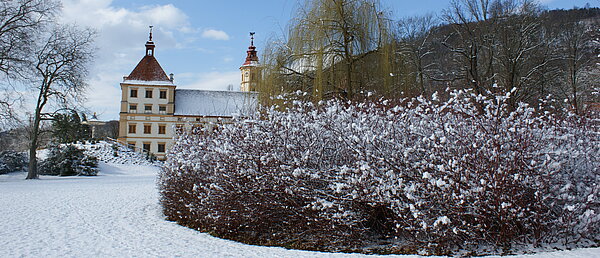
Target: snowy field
(117, 214)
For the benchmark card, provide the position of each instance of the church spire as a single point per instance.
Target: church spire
(252, 57)
(150, 44)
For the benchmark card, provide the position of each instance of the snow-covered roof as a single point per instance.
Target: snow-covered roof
(250, 63)
(214, 103)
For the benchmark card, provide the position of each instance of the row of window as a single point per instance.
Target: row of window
(160, 147)
(133, 93)
(162, 129)
(162, 109)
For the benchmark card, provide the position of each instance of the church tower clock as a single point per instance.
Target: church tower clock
(250, 69)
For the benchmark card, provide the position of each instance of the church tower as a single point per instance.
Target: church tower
(250, 69)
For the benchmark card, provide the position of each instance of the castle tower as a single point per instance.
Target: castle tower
(147, 104)
(250, 69)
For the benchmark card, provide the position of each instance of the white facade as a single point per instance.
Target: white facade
(149, 123)
(152, 108)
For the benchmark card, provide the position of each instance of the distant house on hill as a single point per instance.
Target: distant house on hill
(152, 106)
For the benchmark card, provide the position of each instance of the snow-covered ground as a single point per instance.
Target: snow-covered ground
(117, 214)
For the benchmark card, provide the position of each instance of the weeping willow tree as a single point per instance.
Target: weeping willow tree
(334, 48)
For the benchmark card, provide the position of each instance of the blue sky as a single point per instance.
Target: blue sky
(202, 42)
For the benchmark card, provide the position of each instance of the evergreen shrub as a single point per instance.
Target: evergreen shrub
(11, 161)
(68, 160)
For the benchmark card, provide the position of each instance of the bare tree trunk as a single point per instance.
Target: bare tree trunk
(421, 76)
(573, 80)
(347, 49)
(35, 133)
(32, 171)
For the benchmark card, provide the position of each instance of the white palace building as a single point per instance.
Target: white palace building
(152, 107)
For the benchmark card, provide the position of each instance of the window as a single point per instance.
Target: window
(131, 145)
(162, 109)
(133, 93)
(147, 129)
(132, 108)
(197, 119)
(148, 94)
(161, 147)
(146, 147)
(132, 128)
(148, 109)
(162, 129)
(163, 94)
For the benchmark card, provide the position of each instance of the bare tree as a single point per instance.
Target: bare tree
(328, 40)
(577, 48)
(20, 22)
(500, 46)
(471, 40)
(60, 66)
(519, 55)
(7, 102)
(415, 44)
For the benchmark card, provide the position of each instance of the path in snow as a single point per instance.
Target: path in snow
(116, 214)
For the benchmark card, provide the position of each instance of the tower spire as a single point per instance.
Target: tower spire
(150, 44)
(252, 57)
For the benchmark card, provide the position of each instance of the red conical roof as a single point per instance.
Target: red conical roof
(148, 69)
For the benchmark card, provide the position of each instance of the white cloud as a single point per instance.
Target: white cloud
(544, 2)
(121, 36)
(122, 33)
(104, 95)
(215, 34)
(121, 28)
(208, 81)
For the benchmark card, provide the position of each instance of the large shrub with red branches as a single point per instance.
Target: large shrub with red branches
(415, 175)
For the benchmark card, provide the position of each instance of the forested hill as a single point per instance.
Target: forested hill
(551, 52)
(573, 15)
(517, 47)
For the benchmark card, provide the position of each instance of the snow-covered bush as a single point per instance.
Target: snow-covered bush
(68, 160)
(414, 175)
(11, 161)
